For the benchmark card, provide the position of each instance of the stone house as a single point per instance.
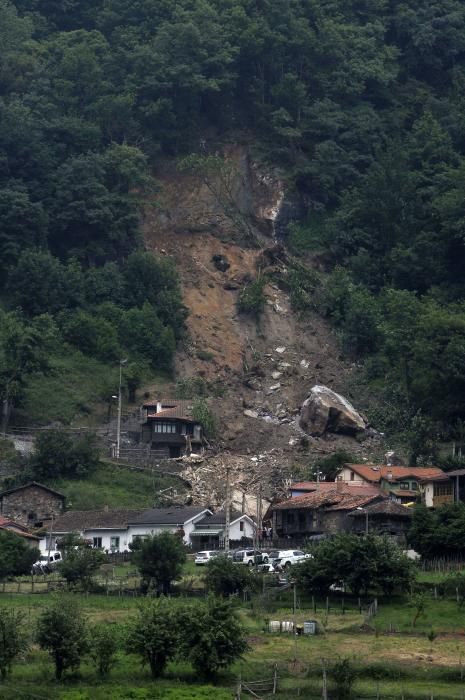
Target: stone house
(170, 429)
(323, 510)
(31, 505)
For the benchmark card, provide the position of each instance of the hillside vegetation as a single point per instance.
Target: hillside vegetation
(359, 104)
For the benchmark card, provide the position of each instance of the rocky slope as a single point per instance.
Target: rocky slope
(267, 367)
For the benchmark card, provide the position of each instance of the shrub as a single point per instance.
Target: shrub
(252, 298)
(160, 560)
(13, 639)
(61, 630)
(103, 648)
(223, 577)
(153, 635)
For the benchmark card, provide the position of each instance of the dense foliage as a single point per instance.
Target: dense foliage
(360, 564)
(61, 630)
(160, 560)
(224, 577)
(438, 532)
(58, 454)
(361, 105)
(13, 639)
(16, 556)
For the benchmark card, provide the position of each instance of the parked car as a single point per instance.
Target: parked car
(47, 562)
(202, 558)
(279, 559)
(250, 557)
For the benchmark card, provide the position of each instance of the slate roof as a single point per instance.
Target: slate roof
(219, 518)
(166, 516)
(32, 483)
(79, 520)
(170, 408)
(386, 507)
(374, 472)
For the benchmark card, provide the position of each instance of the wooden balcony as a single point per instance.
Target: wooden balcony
(442, 500)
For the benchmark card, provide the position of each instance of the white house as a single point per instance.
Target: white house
(209, 532)
(174, 519)
(114, 530)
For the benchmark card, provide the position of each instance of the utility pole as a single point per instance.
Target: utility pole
(228, 511)
(118, 427)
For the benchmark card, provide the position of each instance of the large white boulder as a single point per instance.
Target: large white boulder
(324, 411)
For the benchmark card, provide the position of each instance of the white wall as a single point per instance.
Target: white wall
(345, 475)
(428, 494)
(235, 532)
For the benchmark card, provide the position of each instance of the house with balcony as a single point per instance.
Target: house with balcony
(402, 484)
(324, 510)
(209, 532)
(170, 429)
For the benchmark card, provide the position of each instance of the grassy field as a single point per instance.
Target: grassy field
(75, 391)
(389, 664)
(115, 487)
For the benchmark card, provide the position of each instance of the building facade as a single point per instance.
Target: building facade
(32, 505)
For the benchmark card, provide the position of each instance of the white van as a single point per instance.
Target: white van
(47, 562)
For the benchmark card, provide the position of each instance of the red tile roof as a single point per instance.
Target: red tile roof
(375, 472)
(385, 507)
(333, 499)
(347, 487)
(170, 408)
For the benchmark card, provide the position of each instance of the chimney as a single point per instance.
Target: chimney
(389, 475)
(158, 407)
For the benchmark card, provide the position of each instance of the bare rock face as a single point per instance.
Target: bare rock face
(324, 411)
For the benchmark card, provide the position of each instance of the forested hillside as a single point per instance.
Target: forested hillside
(358, 103)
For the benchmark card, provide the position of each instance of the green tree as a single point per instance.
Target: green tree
(57, 454)
(223, 577)
(160, 560)
(329, 467)
(212, 636)
(153, 635)
(16, 556)
(103, 644)
(79, 566)
(14, 641)
(62, 631)
(359, 563)
(24, 349)
(203, 415)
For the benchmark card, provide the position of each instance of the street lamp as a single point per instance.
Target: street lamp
(118, 427)
(364, 510)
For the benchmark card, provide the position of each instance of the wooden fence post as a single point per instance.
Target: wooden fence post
(275, 679)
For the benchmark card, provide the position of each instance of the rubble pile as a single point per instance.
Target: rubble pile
(261, 475)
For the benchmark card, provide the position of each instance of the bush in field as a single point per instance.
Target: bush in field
(16, 557)
(103, 648)
(153, 635)
(252, 298)
(211, 636)
(160, 560)
(80, 564)
(61, 630)
(13, 639)
(223, 577)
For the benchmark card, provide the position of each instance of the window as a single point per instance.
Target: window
(159, 427)
(31, 516)
(352, 476)
(404, 485)
(97, 542)
(414, 486)
(114, 543)
(241, 526)
(290, 518)
(443, 489)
